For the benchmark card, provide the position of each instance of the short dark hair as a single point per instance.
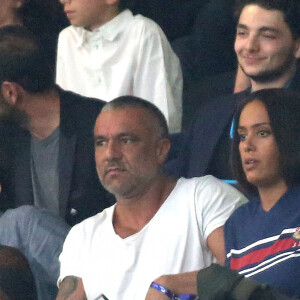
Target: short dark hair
(283, 107)
(124, 102)
(45, 19)
(289, 8)
(16, 279)
(124, 4)
(23, 61)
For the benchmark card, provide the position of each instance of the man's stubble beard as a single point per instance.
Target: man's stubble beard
(13, 114)
(268, 76)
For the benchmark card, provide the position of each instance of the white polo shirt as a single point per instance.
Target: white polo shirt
(128, 55)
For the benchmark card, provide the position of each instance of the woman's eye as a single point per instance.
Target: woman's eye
(262, 133)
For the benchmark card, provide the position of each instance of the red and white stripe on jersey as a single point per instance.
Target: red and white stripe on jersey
(264, 254)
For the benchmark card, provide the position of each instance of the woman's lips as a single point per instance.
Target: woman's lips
(250, 163)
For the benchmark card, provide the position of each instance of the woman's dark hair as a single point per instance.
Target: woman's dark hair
(283, 107)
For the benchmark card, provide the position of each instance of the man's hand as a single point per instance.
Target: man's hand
(71, 288)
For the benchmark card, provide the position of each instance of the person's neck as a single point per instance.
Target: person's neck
(110, 14)
(43, 111)
(269, 195)
(131, 215)
(13, 20)
(278, 83)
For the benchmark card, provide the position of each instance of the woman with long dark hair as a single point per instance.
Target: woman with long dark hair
(263, 237)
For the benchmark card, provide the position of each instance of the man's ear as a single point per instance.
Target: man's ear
(10, 92)
(162, 150)
(113, 2)
(297, 49)
(18, 3)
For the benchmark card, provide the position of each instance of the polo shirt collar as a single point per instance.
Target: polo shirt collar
(108, 31)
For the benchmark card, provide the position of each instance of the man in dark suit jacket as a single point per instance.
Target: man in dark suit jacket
(49, 133)
(268, 49)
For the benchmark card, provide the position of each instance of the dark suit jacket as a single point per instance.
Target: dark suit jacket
(175, 17)
(198, 143)
(80, 193)
(208, 49)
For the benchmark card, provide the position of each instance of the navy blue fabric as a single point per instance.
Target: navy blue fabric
(208, 49)
(264, 245)
(202, 141)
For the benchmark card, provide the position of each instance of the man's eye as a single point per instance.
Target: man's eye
(126, 140)
(241, 33)
(242, 137)
(269, 36)
(99, 143)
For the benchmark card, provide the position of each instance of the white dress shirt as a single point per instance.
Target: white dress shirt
(129, 55)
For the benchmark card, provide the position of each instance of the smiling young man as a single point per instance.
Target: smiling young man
(158, 224)
(267, 46)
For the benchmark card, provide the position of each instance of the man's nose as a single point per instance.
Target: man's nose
(113, 150)
(252, 43)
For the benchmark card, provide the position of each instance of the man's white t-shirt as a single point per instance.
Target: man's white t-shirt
(129, 55)
(173, 241)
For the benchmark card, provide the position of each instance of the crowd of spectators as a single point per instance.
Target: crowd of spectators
(194, 105)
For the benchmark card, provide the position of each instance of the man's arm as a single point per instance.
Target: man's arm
(216, 244)
(183, 283)
(242, 82)
(71, 288)
(186, 283)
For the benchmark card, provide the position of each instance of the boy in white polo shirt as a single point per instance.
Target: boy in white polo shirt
(108, 52)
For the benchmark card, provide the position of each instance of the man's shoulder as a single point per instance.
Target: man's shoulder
(82, 110)
(80, 104)
(71, 98)
(223, 102)
(141, 25)
(71, 32)
(92, 223)
(221, 108)
(295, 84)
(207, 182)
